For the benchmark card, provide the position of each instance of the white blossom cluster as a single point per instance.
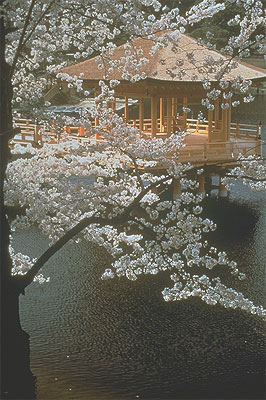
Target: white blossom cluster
(46, 35)
(205, 9)
(124, 182)
(22, 264)
(253, 17)
(251, 171)
(211, 291)
(60, 185)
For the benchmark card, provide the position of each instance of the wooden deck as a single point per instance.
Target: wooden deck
(244, 139)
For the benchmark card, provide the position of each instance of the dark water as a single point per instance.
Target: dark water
(118, 340)
(94, 339)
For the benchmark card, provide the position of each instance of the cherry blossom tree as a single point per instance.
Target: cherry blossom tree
(111, 192)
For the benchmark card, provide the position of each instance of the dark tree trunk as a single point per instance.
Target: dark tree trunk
(17, 381)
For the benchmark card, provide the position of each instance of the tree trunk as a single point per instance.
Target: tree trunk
(17, 381)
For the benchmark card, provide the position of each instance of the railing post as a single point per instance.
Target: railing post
(81, 131)
(37, 139)
(232, 149)
(258, 141)
(197, 126)
(258, 134)
(237, 130)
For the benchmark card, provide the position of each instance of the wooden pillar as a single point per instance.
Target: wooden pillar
(210, 116)
(153, 116)
(201, 187)
(161, 115)
(113, 105)
(169, 116)
(185, 104)
(229, 119)
(173, 107)
(222, 190)
(259, 142)
(126, 110)
(141, 113)
(176, 188)
(174, 110)
(37, 138)
(96, 119)
(216, 113)
(96, 123)
(81, 131)
(224, 124)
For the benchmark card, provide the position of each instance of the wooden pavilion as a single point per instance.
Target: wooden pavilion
(173, 83)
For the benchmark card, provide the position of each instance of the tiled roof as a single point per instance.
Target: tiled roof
(190, 63)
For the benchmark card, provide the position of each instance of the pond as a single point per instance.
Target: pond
(94, 339)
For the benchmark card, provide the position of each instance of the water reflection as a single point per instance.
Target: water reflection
(100, 340)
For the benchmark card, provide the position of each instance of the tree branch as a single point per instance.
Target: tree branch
(29, 276)
(20, 46)
(23, 41)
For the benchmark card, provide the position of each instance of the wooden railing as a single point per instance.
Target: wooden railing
(244, 130)
(244, 139)
(29, 128)
(195, 126)
(219, 151)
